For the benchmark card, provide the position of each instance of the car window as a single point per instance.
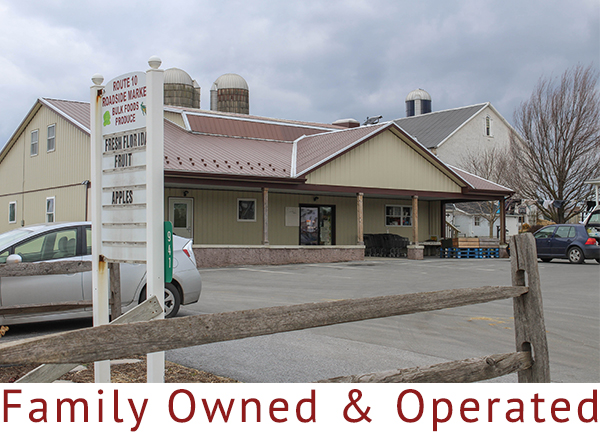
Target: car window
(565, 232)
(54, 245)
(3, 256)
(88, 238)
(545, 233)
(595, 218)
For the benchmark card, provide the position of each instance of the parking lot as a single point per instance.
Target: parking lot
(571, 296)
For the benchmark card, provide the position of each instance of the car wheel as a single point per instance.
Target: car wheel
(575, 255)
(546, 259)
(172, 299)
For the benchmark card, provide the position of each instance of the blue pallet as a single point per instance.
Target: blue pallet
(469, 253)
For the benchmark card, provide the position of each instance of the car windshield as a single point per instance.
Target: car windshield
(12, 236)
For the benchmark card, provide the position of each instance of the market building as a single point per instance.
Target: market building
(249, 189)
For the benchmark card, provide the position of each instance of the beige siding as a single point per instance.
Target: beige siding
(68, 164)
(374, 218)
(215, 217)
(176, 118)
(29, 180)
(383, 162)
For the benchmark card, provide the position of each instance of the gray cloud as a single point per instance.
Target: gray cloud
(310, 60)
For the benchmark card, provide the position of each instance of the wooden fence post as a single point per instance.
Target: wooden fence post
(530, 330)
(115, 290)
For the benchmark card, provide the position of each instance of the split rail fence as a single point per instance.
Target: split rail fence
(116, 340)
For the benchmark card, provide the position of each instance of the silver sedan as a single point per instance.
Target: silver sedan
(72, 241)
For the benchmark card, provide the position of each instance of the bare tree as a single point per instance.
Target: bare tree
(560, 128)
(493, 164)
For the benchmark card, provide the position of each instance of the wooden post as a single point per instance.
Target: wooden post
(415, 209)
(360, 240)
(530, 330)
(265, 193)
(502, 221)
(115, 290)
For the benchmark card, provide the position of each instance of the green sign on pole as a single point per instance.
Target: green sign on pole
(168, 252)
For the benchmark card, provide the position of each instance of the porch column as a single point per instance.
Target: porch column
(265, 194)
(360, 219)
(415, 251)
(415, 208)
(503, 252)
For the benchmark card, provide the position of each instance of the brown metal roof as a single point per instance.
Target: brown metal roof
(243, 145)
(481, 184)
(74, 110)
(254, 128)
(185, 151)
(317, 149)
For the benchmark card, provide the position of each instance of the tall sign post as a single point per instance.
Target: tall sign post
(99, 269)
(128, 189)
(155, 277)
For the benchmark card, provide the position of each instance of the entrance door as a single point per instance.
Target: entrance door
(317, 225)
(181, 214)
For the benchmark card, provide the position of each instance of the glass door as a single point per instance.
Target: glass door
(181, 214)
(317, 225)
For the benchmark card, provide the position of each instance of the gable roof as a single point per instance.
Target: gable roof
(221, 144)
(434, 128)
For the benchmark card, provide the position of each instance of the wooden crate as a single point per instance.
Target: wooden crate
(465, 242)
(489, 242)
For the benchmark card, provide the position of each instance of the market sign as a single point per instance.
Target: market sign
(124, 168)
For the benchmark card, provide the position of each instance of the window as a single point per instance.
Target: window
(545, 233)
(3, 256)
(488, 126)
(246, 209)
(565, 232)
(54, 245)
(34, 142)
(477, 220)
(398, 216)
(50, 210)
(51, 144)
(12, 212)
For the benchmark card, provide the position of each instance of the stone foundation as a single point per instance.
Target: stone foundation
(214, 256)
(415, 252)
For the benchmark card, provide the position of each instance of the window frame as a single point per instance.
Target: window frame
(400, 218)
(487, 130)
(49, 138)
(477, 221)
(53, 212)
(14, 211)
(239, 214)
(36, 142)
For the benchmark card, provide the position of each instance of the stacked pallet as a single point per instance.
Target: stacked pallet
(472, 248)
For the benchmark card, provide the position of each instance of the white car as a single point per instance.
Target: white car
(72, 241)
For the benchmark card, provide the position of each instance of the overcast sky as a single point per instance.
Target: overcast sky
(303, 60)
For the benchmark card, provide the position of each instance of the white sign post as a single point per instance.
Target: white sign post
(155, 277)
(128, 189)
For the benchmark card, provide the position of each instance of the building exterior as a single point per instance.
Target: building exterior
(234, 180)
(455, 133)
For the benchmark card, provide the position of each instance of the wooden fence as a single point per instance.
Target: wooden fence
(116, 341)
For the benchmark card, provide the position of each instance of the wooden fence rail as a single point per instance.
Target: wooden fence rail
(108, 341)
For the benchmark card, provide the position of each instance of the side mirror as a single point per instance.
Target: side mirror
(13, 258)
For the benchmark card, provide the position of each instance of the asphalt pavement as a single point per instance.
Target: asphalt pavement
(571, 295)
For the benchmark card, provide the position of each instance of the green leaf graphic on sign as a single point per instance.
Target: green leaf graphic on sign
(106, 118)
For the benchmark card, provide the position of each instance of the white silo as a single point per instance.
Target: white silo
(418, 102)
